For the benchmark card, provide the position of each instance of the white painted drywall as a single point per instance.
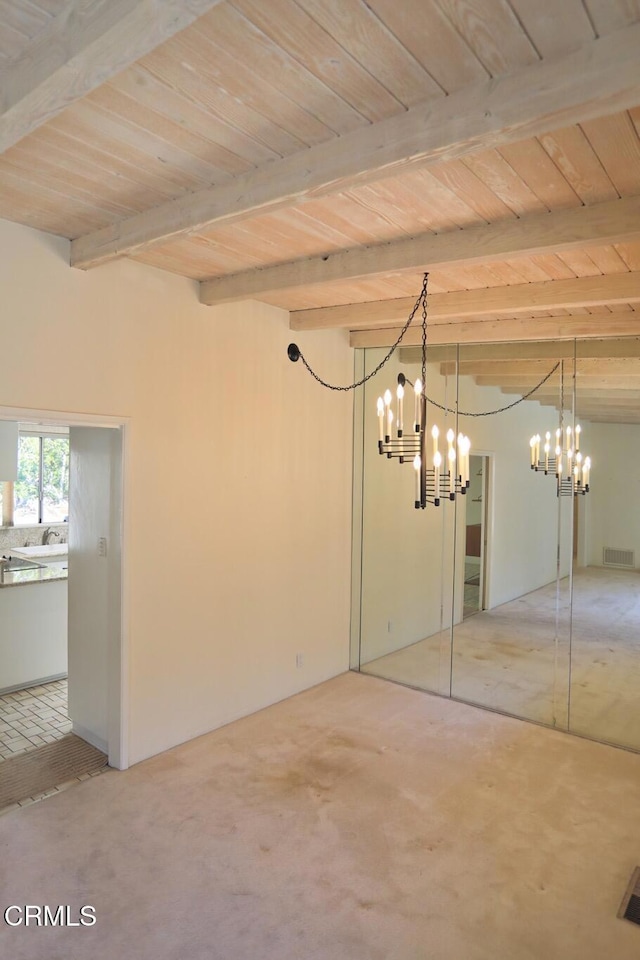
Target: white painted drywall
(613, 505)
(237, 491)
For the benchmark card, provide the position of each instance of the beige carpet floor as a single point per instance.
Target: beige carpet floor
(38, 770)
(522, 659)
(360, 820)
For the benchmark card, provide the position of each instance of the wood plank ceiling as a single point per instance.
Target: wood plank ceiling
(259, 149)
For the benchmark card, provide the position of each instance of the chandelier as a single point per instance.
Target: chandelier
(440, 475)
(566, 461)
(448, 475)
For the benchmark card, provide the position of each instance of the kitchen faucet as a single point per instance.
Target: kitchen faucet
(47, 535)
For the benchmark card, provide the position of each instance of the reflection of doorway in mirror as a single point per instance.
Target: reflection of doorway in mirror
(475, 537)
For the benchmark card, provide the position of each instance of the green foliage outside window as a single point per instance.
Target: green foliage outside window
(54, 484)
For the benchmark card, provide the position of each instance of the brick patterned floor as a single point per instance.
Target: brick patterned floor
(30, 718)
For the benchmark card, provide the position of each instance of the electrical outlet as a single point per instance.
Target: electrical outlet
(102, 546)
(299, 660)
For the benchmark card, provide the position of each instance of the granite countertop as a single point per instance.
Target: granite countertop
(42, 574)
(18, 578)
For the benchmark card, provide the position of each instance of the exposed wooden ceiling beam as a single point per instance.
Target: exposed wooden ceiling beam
(616, 221)
(549, 350)
(614, 418)
(595, 325)
(619, 288)
(599, 366)
(600, 77)
(587, 398)
(85, 45)
(522, 384)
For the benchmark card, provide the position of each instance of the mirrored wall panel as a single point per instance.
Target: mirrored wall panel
(523, 594)
(605, 651)
(406, 604)
(511, 653)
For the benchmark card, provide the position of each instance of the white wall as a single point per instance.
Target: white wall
(612, 506)
(237, 477)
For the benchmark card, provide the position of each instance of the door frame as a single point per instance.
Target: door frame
(488, 466)
(118, 699)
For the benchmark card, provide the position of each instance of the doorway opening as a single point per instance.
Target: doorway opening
(66, 578)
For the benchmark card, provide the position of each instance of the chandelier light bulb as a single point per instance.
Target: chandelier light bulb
(435, 433)
(437, 463)
(400, 408)
(416, 466)
(380, 406)
(417, 420)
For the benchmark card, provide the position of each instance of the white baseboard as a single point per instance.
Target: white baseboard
(32, 683)
(90, 737)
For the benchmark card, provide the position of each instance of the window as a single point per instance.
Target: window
(41, 491)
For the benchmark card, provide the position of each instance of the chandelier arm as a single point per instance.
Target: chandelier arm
(295, 353)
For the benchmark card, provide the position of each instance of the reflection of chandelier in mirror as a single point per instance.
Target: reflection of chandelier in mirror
(565, 460)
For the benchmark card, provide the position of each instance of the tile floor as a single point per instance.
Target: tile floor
(30, 718)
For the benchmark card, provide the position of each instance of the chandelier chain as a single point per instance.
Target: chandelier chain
(490, 413)
(392, 350)
(422, 299)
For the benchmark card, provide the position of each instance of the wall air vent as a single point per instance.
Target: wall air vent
(614, 557)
